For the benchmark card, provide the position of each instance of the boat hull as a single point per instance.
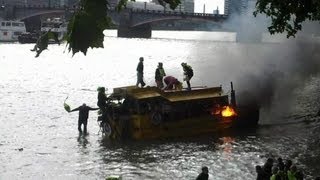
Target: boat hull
(26, 38)
(149, 113)
(140, 127)
(182, 128)
(8, 36)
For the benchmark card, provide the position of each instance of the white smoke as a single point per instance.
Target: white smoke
(268, 69)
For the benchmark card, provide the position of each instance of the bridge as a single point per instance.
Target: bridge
(138, 23)
(131, 22)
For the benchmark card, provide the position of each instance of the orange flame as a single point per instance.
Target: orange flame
(228, 111)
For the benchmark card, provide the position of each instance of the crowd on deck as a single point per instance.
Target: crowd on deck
(160, 77)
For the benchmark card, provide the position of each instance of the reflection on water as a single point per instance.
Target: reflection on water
(227, 146)
(82, 140)
(32, 92)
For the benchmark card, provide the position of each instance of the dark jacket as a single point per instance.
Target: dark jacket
(188, 71)
(140, 67)
(158, 75)
(102, 98)
(84, 112)
(203, 176)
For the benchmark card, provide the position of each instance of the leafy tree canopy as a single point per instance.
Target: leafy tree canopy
(288, 15)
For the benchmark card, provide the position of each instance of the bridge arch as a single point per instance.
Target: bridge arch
(148, 21)
(42, 13)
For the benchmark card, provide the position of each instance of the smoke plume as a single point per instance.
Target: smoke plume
(285, 64)
(266, 69)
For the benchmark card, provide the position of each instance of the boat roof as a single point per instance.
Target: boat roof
(172, 95)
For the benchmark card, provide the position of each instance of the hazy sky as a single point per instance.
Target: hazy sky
(210, 5)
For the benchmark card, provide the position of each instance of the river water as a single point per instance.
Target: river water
(39, 139)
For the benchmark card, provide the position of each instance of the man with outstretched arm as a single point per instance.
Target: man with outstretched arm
(83, 116)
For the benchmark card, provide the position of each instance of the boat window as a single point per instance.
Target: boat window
(3, 24)
(15, 24)
(17, 33)
(8, 23)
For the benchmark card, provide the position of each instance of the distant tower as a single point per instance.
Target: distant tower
(216, 11)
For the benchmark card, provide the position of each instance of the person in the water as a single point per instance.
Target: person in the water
(83, 116)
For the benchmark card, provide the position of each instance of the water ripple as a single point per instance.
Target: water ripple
(34, 119)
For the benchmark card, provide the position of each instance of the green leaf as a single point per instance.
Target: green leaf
(87, 25)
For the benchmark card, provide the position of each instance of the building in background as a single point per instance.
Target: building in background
(144, 5)
(185, 6)
(234, 7)
(51, 3)
(14, 2)
(188, 5)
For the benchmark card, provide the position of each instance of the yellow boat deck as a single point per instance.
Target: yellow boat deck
(171, 95)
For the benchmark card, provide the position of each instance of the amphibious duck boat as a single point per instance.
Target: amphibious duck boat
(10, 30)
(151, 113)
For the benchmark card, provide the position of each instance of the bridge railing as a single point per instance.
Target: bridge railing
(40, 7)
(175, 13)
(144, 11)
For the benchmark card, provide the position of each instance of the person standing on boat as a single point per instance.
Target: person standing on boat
(140, 73)
(83, 116)
(104, 104)
(159, 75)
(172, 83)
(102, 98)
(188, 74)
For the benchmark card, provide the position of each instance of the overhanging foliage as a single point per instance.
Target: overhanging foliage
(288, 15)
